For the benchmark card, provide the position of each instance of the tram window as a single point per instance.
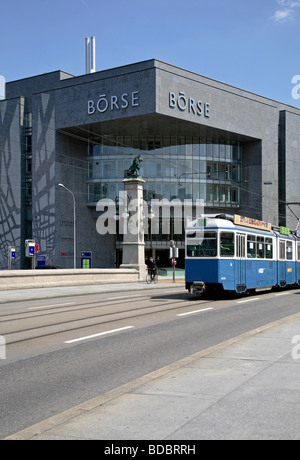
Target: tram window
(282, 250)
(289, 250)
(298, 251)
(227, 244)
(269, 248)
(251, 247)
(191, 250)
(203, 247)
(260, 247)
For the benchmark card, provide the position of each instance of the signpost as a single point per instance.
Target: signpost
(174, 253)
(11, 255)
(30, 249)
(86, 259)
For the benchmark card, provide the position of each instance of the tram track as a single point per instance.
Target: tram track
(73, 306)
(87, 317)
(46, 376)
(57, 311)
(86, 321)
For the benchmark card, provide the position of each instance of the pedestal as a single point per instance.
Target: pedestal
(133, 238)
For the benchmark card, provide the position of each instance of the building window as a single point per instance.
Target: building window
(173, 167)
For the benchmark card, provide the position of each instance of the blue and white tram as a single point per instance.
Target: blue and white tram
(239, 254)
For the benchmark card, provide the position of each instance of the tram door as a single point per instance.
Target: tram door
(240, 263)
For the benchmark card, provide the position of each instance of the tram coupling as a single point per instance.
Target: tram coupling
(197, 287)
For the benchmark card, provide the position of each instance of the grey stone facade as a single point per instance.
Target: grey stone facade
(11, 179)
(147, 99)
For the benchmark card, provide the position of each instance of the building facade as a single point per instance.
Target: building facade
(199, 139)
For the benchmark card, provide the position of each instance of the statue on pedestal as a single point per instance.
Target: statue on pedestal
(133, 254)
(134, 170)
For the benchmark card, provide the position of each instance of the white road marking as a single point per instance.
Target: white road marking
(98, 335)
(195, 311)
(248, 300)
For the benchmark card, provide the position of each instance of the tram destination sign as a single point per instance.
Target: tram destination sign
(253, 223)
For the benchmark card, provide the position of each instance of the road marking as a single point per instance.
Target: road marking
(248, 300)
(51, 306)
(110, 396)
(195, 311)
(282, 293)
(121, 297)
(98, 335)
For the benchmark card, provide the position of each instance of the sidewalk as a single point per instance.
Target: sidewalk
(52, 292)
(244, 388)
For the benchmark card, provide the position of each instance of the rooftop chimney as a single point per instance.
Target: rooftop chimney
(90, 55)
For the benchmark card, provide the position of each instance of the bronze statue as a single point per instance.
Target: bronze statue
(134, 170)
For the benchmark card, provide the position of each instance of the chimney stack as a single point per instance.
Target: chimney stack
(90, 55)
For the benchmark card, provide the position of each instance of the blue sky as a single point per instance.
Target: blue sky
(253, 45)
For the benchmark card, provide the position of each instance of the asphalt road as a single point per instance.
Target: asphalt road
(64, 351)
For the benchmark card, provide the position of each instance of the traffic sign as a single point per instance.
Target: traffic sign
(30, 248)
(11, 255)
(86, 259)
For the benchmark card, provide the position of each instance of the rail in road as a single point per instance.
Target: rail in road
(79, 319)
(65, 351)
(36, 322)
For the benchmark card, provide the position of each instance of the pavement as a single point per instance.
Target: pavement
(67, 291)
(244, 388)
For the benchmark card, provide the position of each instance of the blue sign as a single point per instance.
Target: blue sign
(41, 262)
(29, 248)
(13, 254)
(86, 259)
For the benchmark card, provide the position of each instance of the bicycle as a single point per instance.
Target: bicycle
(151, 277)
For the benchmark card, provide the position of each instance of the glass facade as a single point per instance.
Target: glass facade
(173, 167)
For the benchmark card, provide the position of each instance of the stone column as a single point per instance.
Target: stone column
(133, 238)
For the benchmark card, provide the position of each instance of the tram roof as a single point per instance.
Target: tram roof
(225, 221)
(210, 223)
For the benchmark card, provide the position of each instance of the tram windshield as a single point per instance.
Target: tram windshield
(201, 244)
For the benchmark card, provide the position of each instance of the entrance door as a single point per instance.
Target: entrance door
(240, 266)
